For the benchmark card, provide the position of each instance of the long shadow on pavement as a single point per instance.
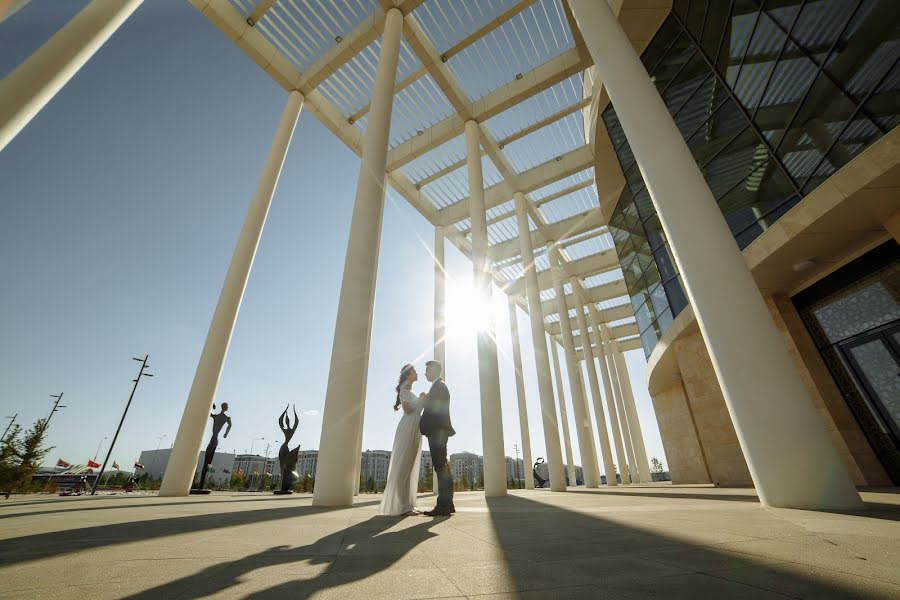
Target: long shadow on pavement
(44, 545)
(359, 551)
(875, 510)
(556, 552)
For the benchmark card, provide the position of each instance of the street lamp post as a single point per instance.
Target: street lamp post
(55, 408)
(98, 447)
(159, 440)
(12, 420)
(265, 469)
(250, 460)
(112, 444)
(516, 464)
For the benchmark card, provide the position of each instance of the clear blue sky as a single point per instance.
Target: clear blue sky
(120, 204)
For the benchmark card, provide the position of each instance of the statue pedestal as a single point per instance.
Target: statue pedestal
(283, 492)
(200, 492)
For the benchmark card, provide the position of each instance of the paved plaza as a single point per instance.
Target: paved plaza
(641, 542)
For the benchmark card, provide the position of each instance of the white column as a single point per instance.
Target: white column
(605, 450)
(440, 346)
(780, 432)
(613, 400)
(563, 414)
(634, 423)
(541, 361)
(345, 397)
(488, 370)
(631, 471)
(583, 428)
(440, 299)
(12, 9)
(183, 460)
(520, 392)
(25, 91)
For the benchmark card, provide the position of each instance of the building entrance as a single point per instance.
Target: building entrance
(853, 316)
(874, 361)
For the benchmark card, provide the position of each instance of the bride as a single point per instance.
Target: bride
(403, 472)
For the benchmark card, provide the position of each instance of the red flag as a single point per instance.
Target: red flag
(62, 463)
(93, 465)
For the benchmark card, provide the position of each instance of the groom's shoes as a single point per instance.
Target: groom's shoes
(452, 509)
(437, 511)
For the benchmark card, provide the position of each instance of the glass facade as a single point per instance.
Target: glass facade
(772, 97)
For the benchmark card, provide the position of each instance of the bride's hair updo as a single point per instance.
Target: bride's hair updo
(404, 374)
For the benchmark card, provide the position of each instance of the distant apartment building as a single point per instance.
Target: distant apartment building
(374, 465)
(467, 465)
(515, 469)
(307, 462)
(426, 467)
(155, 462)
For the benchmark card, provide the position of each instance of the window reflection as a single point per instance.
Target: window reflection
(772, 98)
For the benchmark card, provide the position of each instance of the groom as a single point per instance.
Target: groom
(435, 425)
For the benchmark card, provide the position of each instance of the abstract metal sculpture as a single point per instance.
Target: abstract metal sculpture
(539, 481)
(287, 458)
(219, 420)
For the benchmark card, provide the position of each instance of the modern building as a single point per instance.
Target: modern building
(374, 465)
(156, 461)
(711, 183)
(467, 466)
(515, 470)
(426, 467)
(307, 462)
(255, 466)
(789, 112)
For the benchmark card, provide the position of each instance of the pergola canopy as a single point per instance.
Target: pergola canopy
(519, 68)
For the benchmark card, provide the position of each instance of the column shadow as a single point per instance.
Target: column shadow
(46, 545)
(574, 554)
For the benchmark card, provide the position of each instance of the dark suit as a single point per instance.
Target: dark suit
(435, 425)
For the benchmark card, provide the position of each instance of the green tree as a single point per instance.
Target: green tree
(656, 465)
(20, 458)
(9, 460)
(370, 484)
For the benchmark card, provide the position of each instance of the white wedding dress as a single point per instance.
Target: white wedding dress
(403, 472)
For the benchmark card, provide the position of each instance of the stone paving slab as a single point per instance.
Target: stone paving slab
(652, 541)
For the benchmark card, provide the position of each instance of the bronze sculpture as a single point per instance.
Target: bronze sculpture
(219, 420)
(287, 458)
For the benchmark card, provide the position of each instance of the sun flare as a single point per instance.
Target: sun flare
(467, 309)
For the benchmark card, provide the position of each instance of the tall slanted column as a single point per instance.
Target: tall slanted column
(520, 394)
(634, 423)
(779, 430)
(183, 460)
(440, 345)
(488, 369)
(583, 428)
(609, 465)
(440, 301)
(563, 414)
(25, 91)
(345, 397)
(631, 471)
(541, 361)
(616, 410)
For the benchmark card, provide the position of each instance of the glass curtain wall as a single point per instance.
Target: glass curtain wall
(772, 97)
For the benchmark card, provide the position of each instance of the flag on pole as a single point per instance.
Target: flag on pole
(138, 465)
(93, 465)
(115, 465)
(63, 464)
